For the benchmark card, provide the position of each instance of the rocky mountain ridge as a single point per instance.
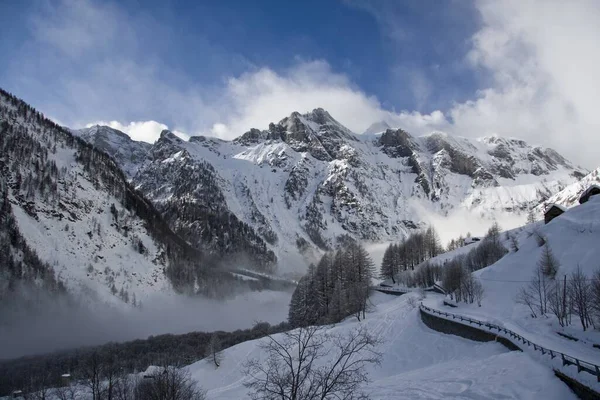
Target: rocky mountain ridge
(70, 222)
(307, 182)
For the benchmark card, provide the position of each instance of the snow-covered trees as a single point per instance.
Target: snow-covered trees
(309, 364)
(415, 249)
(388, 265)
(489, 250)
(426, 275)
(336, 287)
(460, 283)
(574, 294)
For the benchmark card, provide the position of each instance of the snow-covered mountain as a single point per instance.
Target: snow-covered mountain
(308, 182)
(70, 220)
(128, 154)
(569, 196)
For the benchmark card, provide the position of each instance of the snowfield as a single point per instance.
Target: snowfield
(418, 363)
(573, 239)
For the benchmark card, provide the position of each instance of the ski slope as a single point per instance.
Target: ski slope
(418, 363)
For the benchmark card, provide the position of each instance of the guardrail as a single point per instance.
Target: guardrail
(584, 366)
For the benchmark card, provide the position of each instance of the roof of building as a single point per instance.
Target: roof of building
(589, 189)
(554, 205)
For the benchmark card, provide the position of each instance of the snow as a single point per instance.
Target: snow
(573, 238)
(570, 195)
(365, 193)
(86, 251)
(418, 363)
(561, 208)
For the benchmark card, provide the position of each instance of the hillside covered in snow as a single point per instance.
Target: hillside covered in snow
(417, 362)
(569, 196)
(308, 183)
(560, 309)
(72, 223)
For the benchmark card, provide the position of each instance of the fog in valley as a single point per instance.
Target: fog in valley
(56, 325)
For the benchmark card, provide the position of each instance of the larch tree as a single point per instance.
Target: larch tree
(213, 350)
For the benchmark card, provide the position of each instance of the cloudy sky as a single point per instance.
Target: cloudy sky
(526, 69)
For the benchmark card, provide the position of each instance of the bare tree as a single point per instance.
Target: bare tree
(38, 387)
(67, 393)
(559, 302)
(93, 375)
(595, 289)
(478, 291)
(294, 369)
(581, 295)
(526, 296)
(124, 387)
(536, 294)
(213, 350)
(453, 277)
(168, 383)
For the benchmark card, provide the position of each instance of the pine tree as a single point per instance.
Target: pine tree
(388, 264)
(548, 263)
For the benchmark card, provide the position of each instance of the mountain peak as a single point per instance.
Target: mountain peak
(320, 116)
(167, 134)
(377, 127)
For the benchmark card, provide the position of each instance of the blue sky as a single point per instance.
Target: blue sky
(469, 67)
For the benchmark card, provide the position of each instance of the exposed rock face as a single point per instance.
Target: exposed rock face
(129, 154)
(307, 182)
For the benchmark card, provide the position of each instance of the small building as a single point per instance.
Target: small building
(17, 394)
(553, 211)
(589, 192)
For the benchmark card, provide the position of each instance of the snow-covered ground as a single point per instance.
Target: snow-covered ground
(573, 238)
(418, 363)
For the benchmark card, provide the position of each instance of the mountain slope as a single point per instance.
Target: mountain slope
(129, 155)
(307, 182)
(569, 196)
(573, 240)
(417, 363)
(88, 227)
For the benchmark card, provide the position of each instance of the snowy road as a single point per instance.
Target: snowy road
(418, 363)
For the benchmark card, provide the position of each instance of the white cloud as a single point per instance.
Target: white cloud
(542, 59)
(145, 131)
(255, 99)
(85, 61)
